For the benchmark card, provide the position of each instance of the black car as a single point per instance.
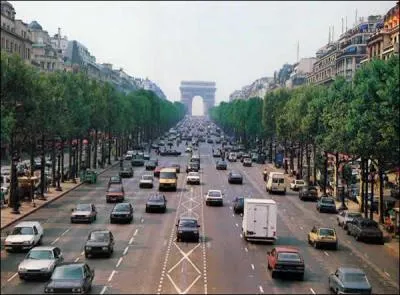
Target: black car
(235, 177)
(326, 204)
(187, 229)
(170, 153)
(221, 165)
(115, 180)
(70, 278)
(137, 162)
(151, 165)
(238, 205)
(308, 193)
(210, 140)
(192, 167)
(156, 202)
(122, 212)
(365, 229)
(126, 172)
(100, 241)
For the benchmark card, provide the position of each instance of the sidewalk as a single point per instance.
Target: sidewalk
(7, 218)
(391, 243)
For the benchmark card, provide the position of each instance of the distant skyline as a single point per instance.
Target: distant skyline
(230, 43)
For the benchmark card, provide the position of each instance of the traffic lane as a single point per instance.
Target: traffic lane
(348, 254)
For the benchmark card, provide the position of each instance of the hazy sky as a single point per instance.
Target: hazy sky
(231, 43)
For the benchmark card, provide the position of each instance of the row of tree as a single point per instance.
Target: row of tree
(42, 109)
(358, 118)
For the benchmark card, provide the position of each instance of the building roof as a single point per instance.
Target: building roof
(34, 25)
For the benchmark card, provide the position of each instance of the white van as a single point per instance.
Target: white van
(24, 236)
(232, 157)
(276, 183)
(259, 220)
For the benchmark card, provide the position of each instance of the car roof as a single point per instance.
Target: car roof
(101, 230)
(214, 190)
(351, 270)
(49, 248)
(286, 249)
(187, 218)
(28, 223)
(324, 227)
(71, 264)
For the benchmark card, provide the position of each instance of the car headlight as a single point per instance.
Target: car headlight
(76, 290)
(88, 247)
(105, 248)
(22, 269)
(180, 231)
(45, 269)
(196, 232)
(28, 242)
(48, 290)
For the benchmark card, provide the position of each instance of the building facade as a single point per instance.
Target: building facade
(300, 72)
(15, 35)
(324, 69)
(59, 43)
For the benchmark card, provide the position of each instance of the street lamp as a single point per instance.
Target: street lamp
(14, 188)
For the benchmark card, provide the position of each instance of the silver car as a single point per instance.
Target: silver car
(40, 262)
(84, 212)
(146, 181)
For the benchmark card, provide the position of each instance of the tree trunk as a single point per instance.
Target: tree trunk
(62, 160)
(95, 150)
(42, 168)
(315, 163)
(53, 162)
(381, 208)
(366, 189)
(362, 184)
(308, 159)
(80, 154)
(70, 158)
(32, 155)
(301, 159)
(291, 156)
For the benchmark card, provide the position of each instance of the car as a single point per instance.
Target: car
(156, 202)
(323, 236)
(24, 236)
(40, 262)
(344, 217)
(218, 141)
(307, 192)
(5, 183)
(146, 156)
(126, 172)
(297, 184)
(170, 153)
(244, 156)
(155, 160)
(115, 180)
(187, 229)
(70, 278)
(115, 192)
(209, 140)
(177, 166)
(157, 171)
(221, 165)
(214, 197)
(128, 157)
(235, 177)
(138, 161)
(150, 165)
(285, 260)
(99, 242)
(192, 167)
(247, 162)
(193, 178)
(326, 204)
(349, 280)
(365, 229)
(216, 154)
(238, 205)
(84, 212)
(146, 181)
(122, 212)
(188, 150)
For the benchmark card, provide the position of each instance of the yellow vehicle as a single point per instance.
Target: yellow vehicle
(168, 179)
(323, 236)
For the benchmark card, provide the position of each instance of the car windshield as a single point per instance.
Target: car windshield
(354, 215)
(115, 179)
(24, 230)
(121, 207)
(327, 232)
(236, 174)
(289, 257)
(188, 223)
(147, 177)
(83, 207)
(40, 254)
(193, 174)
(114, 189)
(99, 236)
(354, 277)
(70, 272)
(156, 198)
(214, 194)
(327, 201)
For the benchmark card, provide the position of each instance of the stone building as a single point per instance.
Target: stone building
(15, 35)
(300, 71)
(324, 69)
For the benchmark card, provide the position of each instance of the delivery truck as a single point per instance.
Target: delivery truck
(259, 220)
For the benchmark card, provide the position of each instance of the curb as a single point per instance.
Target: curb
(52, 200)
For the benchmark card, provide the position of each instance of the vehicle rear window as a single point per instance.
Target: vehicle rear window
(214, 194)
(354, 215)
(354, 277)
(83, 207)
(168, 175)
(147, 177)
(99, 236)
(114, 189)
(121, 207)
(327, 201)
(193, 174)
(278, 180)
(289, 257)
(188, 223)
(326, 232)
(40, 254)
(155, 198)
(115, 178)
(70, 272)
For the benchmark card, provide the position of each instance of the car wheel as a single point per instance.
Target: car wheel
(40, 240)
(273, 274)
(111, 220)
(86, 255)
(300, 277)
(316, 245)
(147, 210)
(357, 237)
(339, 223)
(95, 217)
(335, 246)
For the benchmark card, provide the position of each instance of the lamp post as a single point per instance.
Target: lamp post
(14, 185)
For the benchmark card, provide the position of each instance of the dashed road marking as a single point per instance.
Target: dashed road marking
(131, 241)
(233, 215)
(126, 250)
(13, 276)
(237, 225)
(301, 228)
(67, 230)
(245, 249)
(76, 260)
(83, 252)
(312, 291)
(252, 266)
(111, 276)
(136, 231)
(119, 262)
(386, 273)
(103, 290)
(241, 236)
(261, 289)
(326, 253)
(55, 241)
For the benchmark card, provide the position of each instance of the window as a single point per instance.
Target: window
(35, 230)
(11, 46)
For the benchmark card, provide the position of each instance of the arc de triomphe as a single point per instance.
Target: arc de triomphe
(190, 89)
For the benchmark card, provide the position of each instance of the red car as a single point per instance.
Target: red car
(115, 193)
(286, 260)
(157, 171)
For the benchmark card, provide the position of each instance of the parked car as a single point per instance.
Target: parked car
(187, 229)
(24, 236)
(364, 229)
(286, 260)
(40, 262)
(115, 192)
(322, 236)
(235, 177)
(99, 242)
(126, 172)
(307, 192)
(326, 204)
(70, 278)
(122, 212)
(349, 280)
(193, 178)
(344, 217)
(84, 212)
(221, 165)
(238, 205)
(156, 202)
(297, 184)
(115, 180)
(247, 162)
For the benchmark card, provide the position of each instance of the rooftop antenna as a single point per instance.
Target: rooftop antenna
(329, 38)
(356, 18)
(346, 23)
(333, 33)
(342, 26)
(59, 38)
(298, 50)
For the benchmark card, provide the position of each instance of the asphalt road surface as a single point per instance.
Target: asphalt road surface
(148, 260)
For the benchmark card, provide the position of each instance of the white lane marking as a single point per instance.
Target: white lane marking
(83, 252)
(136, 231)
(103, 290)
(241, 236)
(237, 225)
(119, 262)
(131, 241)
(326, 253)
(245, 249)
(76, 260)
(230, 207)
(312, 291)
(126, 250)
(252, 266)
(301, 228)
(55, 241)
(141, 220)
(67, 230)
(261, 289)
(233, 215)
(111, 275)
(386, 273)
(13, 276)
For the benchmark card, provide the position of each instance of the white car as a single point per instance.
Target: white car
(214, 197)
(193, 178)
(188, 150)
(344, 217)
(297, 184)
(24, 236)
(146, 181)
(40, 262)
